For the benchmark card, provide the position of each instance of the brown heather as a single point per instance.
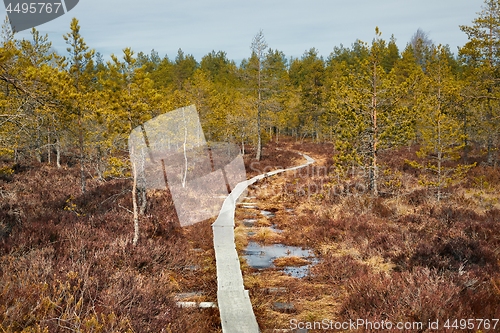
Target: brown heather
(67, 262)
(402, 256)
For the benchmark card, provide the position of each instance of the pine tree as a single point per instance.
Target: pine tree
(308, 73)
(80, 68)
(10, 94)
(277, 83)
(221, 70)
(441, 138)
(26, 71)
(184, 68)
(35, 58)
(128, 99)
(481, 56)
(391, 55)
(369, 112)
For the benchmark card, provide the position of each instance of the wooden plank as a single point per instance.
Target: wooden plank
(235, 307)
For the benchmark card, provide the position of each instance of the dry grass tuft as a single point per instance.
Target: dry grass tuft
(67, 263)
(291, 261)
(401, 256)
(267, 236)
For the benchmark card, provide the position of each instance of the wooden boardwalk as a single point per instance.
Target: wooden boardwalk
(235, 308)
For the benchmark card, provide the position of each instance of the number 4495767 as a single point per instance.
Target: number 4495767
(34, 7)
(478, 324)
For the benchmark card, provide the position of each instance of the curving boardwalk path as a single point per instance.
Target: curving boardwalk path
(235, 308)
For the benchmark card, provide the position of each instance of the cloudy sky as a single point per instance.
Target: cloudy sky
(291, 26)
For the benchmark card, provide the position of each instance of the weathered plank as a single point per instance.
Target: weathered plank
(235, 307)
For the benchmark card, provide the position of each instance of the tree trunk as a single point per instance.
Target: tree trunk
(99, 166)
(38, 142)
(491, 150)
(466, 141)
(58, 152)
(440, 177)
(489, 143)
(374, 166)
(82, 168)
(259, 138)
(49, 146)
(134, 205)
(439, 147)
(144, 200)
(80, 141)
(185, 151)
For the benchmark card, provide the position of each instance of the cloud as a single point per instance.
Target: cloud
(291, 26)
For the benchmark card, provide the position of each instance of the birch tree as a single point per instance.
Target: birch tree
(259, 47)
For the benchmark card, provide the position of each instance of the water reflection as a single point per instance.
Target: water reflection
(262, 256)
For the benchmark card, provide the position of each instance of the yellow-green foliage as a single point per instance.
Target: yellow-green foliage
(71, 206)
(441, 137)
(116, 167)
(365, 99)
(6, 152)
(6, 171)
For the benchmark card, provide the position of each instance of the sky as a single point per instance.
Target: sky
(291, 26)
